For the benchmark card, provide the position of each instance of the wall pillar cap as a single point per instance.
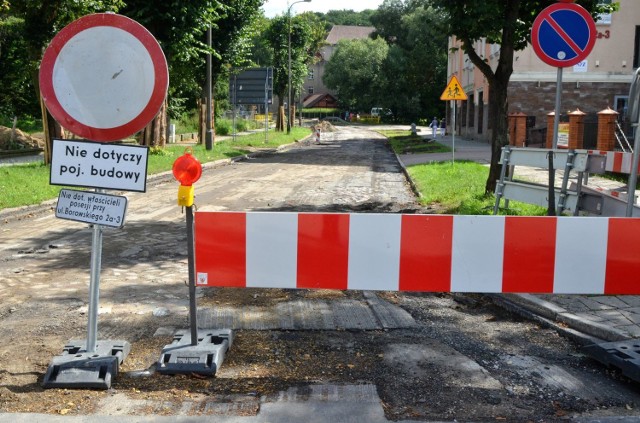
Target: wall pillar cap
(577, 112)
(551, 113)
(608, 111)
(517, 114)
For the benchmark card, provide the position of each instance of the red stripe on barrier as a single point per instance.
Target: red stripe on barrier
(323, 251)
(623, 250)
(529, 254)
(425, 253)
(221, 242)
(617, 162)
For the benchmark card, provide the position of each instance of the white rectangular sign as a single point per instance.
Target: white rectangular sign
(99, 165)
(582, 66)
(92, 207)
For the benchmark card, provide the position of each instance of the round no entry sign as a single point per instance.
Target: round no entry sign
(563, 34)
(104, 77)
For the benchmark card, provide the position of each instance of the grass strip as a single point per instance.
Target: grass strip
(28, 184)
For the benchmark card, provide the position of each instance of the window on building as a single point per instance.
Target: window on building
(311, 74)
(310, 90)
(604, 18)
(636, 49)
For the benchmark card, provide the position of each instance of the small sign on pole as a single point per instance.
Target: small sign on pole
(453, 92)
(93, 208)
(103, 77)
(99, 165)
(563, 35)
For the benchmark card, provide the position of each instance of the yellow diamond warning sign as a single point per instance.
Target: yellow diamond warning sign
(453, 91)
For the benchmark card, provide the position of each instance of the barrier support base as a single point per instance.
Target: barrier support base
(624, 355)
(79, 369)
(205, 358)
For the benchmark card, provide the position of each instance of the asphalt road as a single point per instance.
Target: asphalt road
(443, 357)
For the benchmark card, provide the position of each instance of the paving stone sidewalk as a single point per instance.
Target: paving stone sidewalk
(610, 318)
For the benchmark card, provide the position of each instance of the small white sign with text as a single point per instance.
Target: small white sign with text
(99, 165)
(91, 207)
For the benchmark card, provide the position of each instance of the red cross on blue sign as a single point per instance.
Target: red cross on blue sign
(563, 34)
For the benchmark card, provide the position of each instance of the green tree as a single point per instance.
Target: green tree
(418, 52)
(354, 71)
(507, 23)
(180, 27)
(41, 21)
(16, 84)
(346, 17)
(307, 35)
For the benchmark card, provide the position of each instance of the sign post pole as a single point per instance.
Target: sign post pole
(556, 119)
(193, 311)
(453, 135)
(105, 77)
(562, 35)
(197, 351)
(634, 117)
(453, 92)
(94, 287)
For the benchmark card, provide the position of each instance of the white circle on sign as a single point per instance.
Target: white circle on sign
(103, 77)
(562, 55)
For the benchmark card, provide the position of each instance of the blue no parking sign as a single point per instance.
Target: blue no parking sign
(563, 34)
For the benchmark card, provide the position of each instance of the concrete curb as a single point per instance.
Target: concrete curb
(505, 301)
(412, 184)
(558, 314)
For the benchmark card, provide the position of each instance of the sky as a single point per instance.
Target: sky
(279, 7)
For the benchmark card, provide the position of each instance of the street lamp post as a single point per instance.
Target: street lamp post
(289, 75)
(209, 130)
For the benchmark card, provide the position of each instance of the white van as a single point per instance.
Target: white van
(376, 111)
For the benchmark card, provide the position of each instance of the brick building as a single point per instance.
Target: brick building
(602, 80)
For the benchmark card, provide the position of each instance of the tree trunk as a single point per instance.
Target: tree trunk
(155, 133)
(292, 118)
(280, 119)
(498, 108)
(51, 129)
(202, 120)
(213, 121)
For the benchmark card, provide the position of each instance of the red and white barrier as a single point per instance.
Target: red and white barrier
(617, 161)
(318, 135)
(579, 255)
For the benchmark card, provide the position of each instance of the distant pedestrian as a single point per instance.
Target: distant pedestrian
(434, 126)
(443, 125)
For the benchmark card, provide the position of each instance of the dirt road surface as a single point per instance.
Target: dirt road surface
(400, 356)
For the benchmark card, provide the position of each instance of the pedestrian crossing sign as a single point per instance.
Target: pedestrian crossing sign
(453, 91)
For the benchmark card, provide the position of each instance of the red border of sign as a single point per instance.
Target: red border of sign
(542, 16)
(157, 96)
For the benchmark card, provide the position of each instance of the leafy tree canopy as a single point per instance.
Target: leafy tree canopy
(346, 17)
(355, 72)
(507, 23)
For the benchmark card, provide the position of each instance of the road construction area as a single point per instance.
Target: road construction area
(297, 355)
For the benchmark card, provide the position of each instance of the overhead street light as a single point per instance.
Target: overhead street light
(289, 76)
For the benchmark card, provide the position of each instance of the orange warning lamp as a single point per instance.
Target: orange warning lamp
(187, 170)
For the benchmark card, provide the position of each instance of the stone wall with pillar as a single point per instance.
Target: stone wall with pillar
(550, 118)
(517, 129)
(607, 129)
(576, 129)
